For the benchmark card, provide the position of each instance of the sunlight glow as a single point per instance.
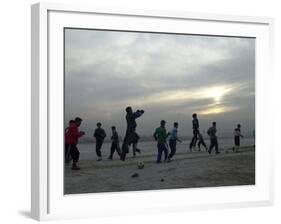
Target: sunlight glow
(216, 110)
(216, 94)
(174, 96)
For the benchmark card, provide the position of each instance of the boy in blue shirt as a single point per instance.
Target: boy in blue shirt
(173, 140)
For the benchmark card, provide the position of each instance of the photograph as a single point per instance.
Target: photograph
(157, 111)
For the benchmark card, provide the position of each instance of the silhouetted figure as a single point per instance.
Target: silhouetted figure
(73, 134)
(131, 137)
(160, 135)
(115, 143)
(237, 134)
(99, 134)
(195, 127)
(201, 142)
(67, 156)
(173, 141)
(213, 138)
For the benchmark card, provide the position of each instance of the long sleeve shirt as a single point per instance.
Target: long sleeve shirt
(99, 134)
(160, 135)
(195, 123)
(131, 120)
(174, 134)
(212, 132)
(72, 135)
(237, 132)
(115, 137)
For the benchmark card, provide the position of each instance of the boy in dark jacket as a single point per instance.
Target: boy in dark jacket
(115, 143)
(213, 138)
(131, 137)
(99, 135)
(195, 127)
(237, 134)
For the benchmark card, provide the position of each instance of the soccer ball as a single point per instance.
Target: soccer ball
(140, 165)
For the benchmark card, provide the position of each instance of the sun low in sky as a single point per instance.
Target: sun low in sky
(169, 76)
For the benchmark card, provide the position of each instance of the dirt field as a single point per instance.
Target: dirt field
(187, 170)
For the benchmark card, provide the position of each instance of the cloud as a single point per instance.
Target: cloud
(168, 75)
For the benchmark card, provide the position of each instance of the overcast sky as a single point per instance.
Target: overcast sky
(169, 76)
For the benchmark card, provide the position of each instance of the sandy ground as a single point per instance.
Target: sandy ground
(187, 170)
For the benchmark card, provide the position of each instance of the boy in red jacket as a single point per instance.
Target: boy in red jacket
(72, 136)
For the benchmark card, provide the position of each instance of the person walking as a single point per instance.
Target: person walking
(115, 143)
(160, 135)
(99, 134)
(213, 138)
(195, 127)
(173, 141)
(237, 134)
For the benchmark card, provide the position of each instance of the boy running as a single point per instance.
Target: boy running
(213, 138)
(161, 135)
(131, 137)
(237, 134)
(115, 143)
(99, 135)
(173, 141)
(195, 127)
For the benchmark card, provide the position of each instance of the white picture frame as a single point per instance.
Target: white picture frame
(48, 201)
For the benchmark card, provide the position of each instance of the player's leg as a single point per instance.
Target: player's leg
(112, 149)
(118, 149)
(216, 145)
(75, 157)
(160, 150)
(172, 144)
(165, 149)
(211, 146)
(204, 144)
(125, 147)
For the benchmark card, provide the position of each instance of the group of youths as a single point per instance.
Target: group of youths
(72, 135)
